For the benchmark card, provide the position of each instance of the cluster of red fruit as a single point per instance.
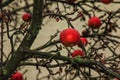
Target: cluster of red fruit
(27, 16)
(71, 37)
(17, 76)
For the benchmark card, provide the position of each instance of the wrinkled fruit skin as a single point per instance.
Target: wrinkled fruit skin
(106, 1)
(17, 76)
(78, 53)
(26, 17)
(69, 37)
(94, 22)
(84, 41)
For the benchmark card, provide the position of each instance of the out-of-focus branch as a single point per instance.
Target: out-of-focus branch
(7, 2)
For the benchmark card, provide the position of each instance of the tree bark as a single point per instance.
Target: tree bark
(28, 40)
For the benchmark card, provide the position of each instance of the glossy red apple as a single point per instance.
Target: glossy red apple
(69, 37)
(106, 1)
(82, 41)
(94, 22)
(78, 53)
(17, 76)
(27, 17)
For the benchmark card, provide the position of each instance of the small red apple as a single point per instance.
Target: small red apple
(27, 17)
(94, 22)
(78, 53)
(106, 1)
(83, 40)
(69, 37)
(17, 76)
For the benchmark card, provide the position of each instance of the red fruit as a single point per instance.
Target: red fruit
(69, 37)
(17, 76)
(78, 53)
(94, 22)
(106, 1)
(26, 17)
(83, 40)
(57, 19)
(115, 79)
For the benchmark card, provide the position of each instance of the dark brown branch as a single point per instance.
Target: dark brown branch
(15, 60)
(83, 62)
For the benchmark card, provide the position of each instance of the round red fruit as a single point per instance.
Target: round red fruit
(83, 41)
(17, 76)
(69, 37)
(78, 53)
(94, 22)
(106, 1)
(26, 17)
